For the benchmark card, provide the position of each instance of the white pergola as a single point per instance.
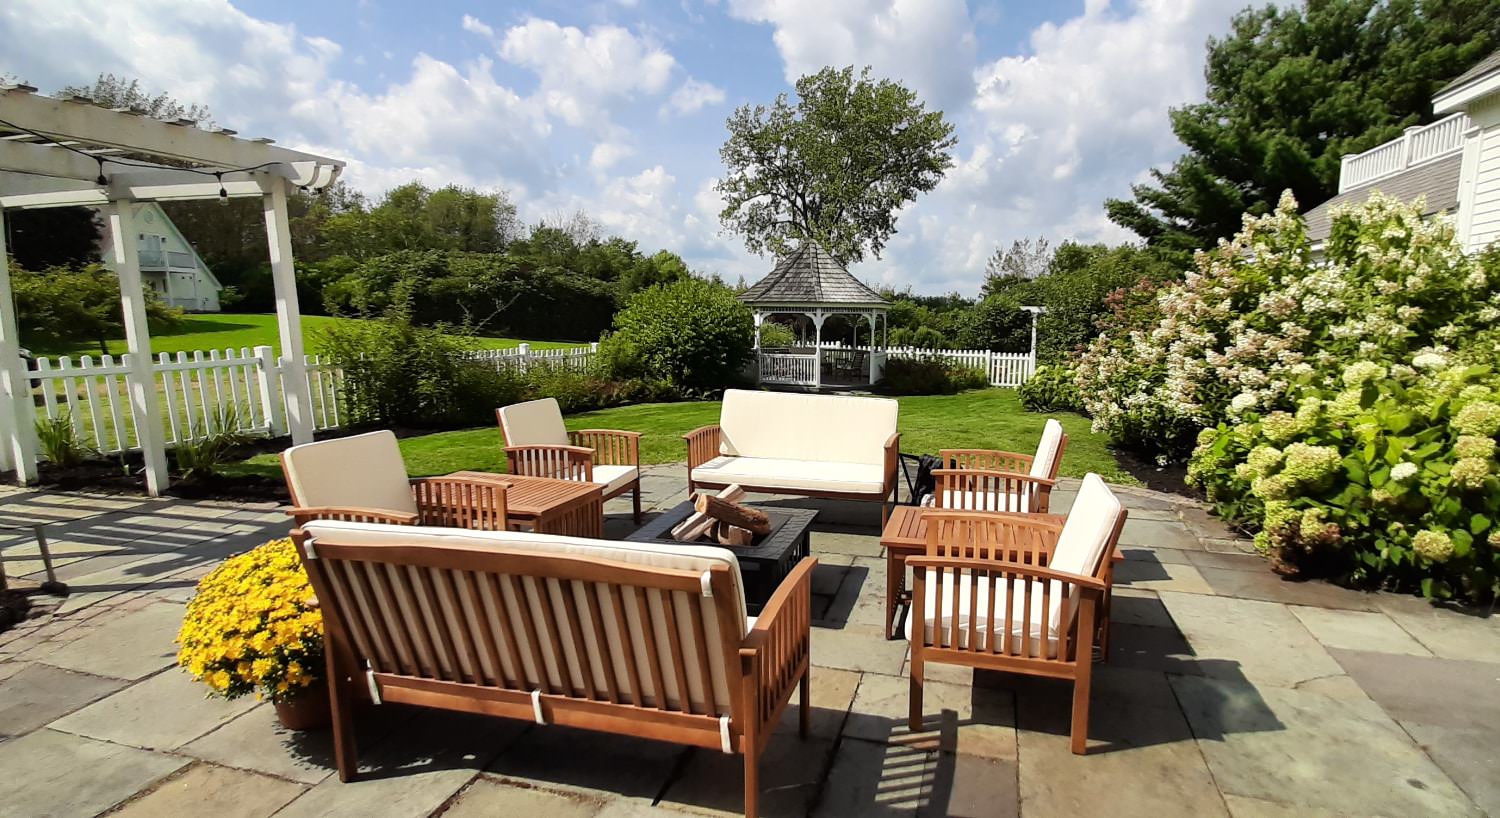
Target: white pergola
(71, 152)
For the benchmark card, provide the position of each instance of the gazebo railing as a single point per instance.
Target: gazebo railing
(788, 368)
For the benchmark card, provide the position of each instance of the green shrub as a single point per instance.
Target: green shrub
(1050, 389)
(396, 372)
(928, 375)
(59, 442)
(692, 334)
(203, 457)
(776, 336)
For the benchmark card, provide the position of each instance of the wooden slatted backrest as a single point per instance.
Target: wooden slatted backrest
(501, 609)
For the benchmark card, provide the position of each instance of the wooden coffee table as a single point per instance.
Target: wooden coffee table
(548, 506)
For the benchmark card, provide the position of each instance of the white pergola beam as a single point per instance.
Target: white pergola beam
(93, 125)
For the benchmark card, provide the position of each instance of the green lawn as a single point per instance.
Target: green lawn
(986, 419)
(220, 331)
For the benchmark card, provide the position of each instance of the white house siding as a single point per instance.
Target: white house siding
(1484, 219)
(169, 264)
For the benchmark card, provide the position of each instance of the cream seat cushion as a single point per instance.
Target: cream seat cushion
(564, 662)
(534, 423)
(360, 471)
(794, 427)
(614, 477)
(1081, 545)
(794, 475)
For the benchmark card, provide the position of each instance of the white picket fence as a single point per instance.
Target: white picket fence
(197, 390)
(1009, 369)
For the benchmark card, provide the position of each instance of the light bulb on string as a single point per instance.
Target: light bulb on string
(223, 194)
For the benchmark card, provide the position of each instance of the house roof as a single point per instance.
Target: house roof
(1436, 180)
(811, 276)
(1481, 69)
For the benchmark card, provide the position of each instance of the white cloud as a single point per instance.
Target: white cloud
(580, 73)
(475, 25)
(693, 95)
(926, 44)
(606, 154)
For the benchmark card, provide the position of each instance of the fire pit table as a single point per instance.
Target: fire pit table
(764, 563)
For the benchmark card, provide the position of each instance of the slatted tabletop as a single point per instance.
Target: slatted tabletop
(549, 506)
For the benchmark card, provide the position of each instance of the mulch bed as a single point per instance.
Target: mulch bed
(1171, 479)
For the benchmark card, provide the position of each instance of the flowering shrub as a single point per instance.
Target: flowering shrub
(249, 627)
(1050, 389)
(1259, 312)
(1388, 480)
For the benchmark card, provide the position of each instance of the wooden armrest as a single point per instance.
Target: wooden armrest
(703, 446)
(582, 451)
(1022, 570)
(798, 583)
(611, 447)
(352, 514)
(892, 448)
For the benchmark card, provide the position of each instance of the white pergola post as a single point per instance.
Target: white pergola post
(18, 426)
(288, 315)
(144, 405)
(817, 318)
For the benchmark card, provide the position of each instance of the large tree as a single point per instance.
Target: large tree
(1290, 91)
(111, 91)
(834, 166)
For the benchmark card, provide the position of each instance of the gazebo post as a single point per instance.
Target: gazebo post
(872, 346)
(144, 404)
(19, 449)
(818, 317)
(288, 315)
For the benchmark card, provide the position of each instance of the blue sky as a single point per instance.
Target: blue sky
(617, 107)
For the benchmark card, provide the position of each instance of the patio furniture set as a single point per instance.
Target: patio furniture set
(495, 594)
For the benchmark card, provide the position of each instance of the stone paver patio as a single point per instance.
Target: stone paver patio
(1228, 691)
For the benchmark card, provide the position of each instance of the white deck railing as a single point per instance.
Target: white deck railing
(1417, 145)
(788, 368)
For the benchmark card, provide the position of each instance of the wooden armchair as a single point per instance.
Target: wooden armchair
(361, 478)
(1015, 593)
(497, 624)
(537, 444)
(988, 480)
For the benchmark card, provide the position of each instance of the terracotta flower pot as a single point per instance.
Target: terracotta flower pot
(307, 710)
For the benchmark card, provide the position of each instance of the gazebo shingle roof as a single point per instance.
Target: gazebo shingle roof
(810, 276)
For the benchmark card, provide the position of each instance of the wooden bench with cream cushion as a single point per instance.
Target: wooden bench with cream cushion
(989, 480)
(1015, 593)
(630, 638)
(791, 443)
(538, 444)
(362, 478)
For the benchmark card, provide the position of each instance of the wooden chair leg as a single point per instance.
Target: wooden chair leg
(914, 718)
(1080, 731)
(752, 785)
(804, 702)
(636, 498)
(341, 704)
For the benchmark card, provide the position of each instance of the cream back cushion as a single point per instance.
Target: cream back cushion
(1085, 535)
(830, 428)
(562, 665)
(1047, 451)
(534, 423)
(363, 471)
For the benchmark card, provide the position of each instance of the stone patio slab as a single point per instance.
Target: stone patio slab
(163, 712)
(832, 694)
(1451, 634)
(1158, 534)
(1133, 606)
(860, 650)
(1445, 692)
(1310, 750)
(791, 773)
(1152, 575)
(562, 758)
(969, 720)
(972, 787)
(1269, 587)
(413, 771)
(131, 647)
(486, 798)
(1469, 755)
(217, 791)
(40, 693)
(877, 780)
(42, 774)
(1357, 630)
(1229, 562)
(256, 741)
(1242, 639)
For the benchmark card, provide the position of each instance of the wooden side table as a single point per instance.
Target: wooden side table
(548, 506)
(905, 535)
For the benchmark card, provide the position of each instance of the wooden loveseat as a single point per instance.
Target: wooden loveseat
(626, 638)
(790, 443)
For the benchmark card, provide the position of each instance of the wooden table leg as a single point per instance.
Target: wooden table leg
(895, 570)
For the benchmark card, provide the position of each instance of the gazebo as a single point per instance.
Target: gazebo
(810, 285)
(71, 152)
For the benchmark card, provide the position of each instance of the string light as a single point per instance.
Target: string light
(223, 194)
(100, 180)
